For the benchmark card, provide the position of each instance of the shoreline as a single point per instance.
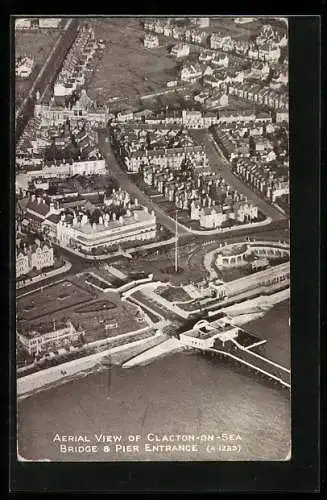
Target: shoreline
(52, 377)
(145, 354)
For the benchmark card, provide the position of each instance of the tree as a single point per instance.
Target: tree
(251, 146)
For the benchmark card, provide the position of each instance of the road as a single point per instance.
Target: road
(124, 181)
(278, 220)
(220, 165)
(46, 75)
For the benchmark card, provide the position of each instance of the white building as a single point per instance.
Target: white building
(191, 72)
(282, 116)
(204, 334)
(22, 23)
(180, 50)
(48, 337)
(201, 22)
(24, 67)
(136, 225)
(49, 22)
(221, 61)
(151, 41)
(36, 256)
(78, 167)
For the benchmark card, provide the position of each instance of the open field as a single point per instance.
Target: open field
(118, 318)
(37, 45)
(127, 68)
(48, 300)
(103, 316)
(227, 26)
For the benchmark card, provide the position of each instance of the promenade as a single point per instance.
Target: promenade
(65, 372)
(167, 347)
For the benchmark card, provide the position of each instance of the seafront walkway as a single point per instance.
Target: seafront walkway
(66, 371)
(167, 347)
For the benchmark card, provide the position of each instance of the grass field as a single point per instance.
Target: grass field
(37, 45)
(48, 300)
(100, 319)
(127, 68)
(227, 26)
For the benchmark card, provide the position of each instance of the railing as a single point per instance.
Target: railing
(257, 363)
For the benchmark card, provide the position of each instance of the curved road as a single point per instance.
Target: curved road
(221, 165)
(125, 182)
(278, 220)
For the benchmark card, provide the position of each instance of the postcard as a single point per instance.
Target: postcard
(152, 239)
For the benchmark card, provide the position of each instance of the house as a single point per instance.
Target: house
(124, 116)
(192, 118)
(23, 23)
(230, 116)
(212, 217)
(207, 70)
(172, 83)
(37, 255)
(267, 53)
(191, 72)
(180, 50)
(217, 40)
(201, 22)
(205, 56)
(47, 336)
(202, 96)
(151, 41)
(49, 22)
(220, 61)
(22, 262)
(282, 116)
(217, 101)
(24, 67)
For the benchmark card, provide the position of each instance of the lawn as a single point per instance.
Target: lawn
(174, 294)
(228, 27)
(50, 299)
(110, 322)
(127, 68)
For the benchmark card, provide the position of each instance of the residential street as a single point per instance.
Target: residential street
(124, 181)
(220, 165)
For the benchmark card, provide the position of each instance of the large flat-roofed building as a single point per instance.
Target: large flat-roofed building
(47, 336)
(204, 334)
(136, 225)
(267, 281)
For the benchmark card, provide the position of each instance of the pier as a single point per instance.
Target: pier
(226, 340)
(255, 362)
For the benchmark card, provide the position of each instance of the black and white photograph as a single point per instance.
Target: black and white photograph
(152, 226)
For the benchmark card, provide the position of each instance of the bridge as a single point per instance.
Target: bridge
(221, 338)
(255, 362)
